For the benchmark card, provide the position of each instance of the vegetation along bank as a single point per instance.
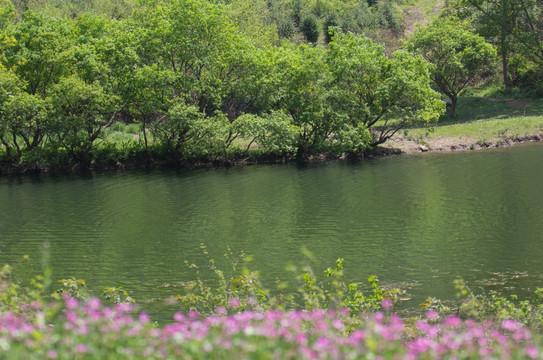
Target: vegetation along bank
(189, 82)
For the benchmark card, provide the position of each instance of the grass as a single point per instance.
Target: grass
(479, 121)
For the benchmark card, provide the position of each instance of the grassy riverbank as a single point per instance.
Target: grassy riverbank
(480, 122)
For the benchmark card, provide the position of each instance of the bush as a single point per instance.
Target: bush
(310, 28)
(332, 20)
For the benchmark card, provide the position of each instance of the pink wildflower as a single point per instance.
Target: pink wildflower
(452, 321)
(94, 304)
(81, 348)
(36, 305)
(387, 304)
(531, 352)
(510, 325)
(432, 315)
(144, 318)
(322, 342)
(71, 303)
(71, 317)
(301, 339)
(356, 337)
(193, 315)
(51, 354)
(179, 317)
(235, 303)
(338, 324)
(220, 310)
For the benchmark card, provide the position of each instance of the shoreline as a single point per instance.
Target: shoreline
(398, 145)
(404, 145)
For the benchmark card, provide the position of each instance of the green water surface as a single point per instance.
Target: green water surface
(416, 221)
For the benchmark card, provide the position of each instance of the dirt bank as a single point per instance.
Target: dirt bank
(402, 143)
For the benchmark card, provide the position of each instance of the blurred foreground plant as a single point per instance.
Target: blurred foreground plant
(243, 290)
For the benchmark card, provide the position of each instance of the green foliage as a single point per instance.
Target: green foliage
(458, 55)
(286, 27)
(244, 290)
(77, 288)
(515, 27)
(389, 15)
(81, 113)
(181, 125)
(16, 296)
(331, 21)
(117, 295)
(254, 18)
(490, 307)
(335, 293)
(190, 86)
(379, 93)
(310, 28)
(273, 133)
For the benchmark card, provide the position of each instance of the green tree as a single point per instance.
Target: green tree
(254, 18)
(520, 19)
(515, 28)
(459, 56)
(379, 93)
(331, 21)
(41, 52)
(301, 74)
(24, 117)
(80, 113)
(310, 28)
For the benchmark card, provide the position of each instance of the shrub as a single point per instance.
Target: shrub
(310, 28)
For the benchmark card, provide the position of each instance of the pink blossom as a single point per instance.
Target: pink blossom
(193, 315)
(36, 305)
(387, 304)
(356, 337)
(71, 317)
(179, 317)
(51, 354)
(322, 342)
(235, 303)
(531, 352)
(94, 303)
(81, 348)
(432, 315)
(452, 321)
(301, 339)
(338, 324)
(220, 310)
(510, 325)
(71, 303)
(144, 318)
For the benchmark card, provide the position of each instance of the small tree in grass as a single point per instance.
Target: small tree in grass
(459, 56)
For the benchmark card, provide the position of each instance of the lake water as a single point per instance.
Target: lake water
(417, 222)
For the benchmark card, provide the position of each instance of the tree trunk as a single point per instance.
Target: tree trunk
(452, 105)
(505, 73)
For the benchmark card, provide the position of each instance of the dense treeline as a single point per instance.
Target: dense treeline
(206, 81)
(197, 88)
(266, 21)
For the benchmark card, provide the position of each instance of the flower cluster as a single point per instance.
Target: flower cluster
(91, 330)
